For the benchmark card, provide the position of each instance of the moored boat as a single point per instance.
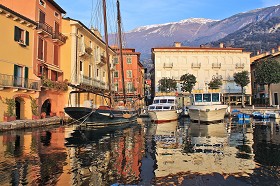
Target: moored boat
(163, 109)
(207, 107)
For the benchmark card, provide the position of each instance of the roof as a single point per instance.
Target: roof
(195, 48)
(57, 6)
(89, 30)
(17, 14)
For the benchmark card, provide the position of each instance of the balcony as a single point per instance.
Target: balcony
(239, 65)
(85, 51)
(59, 38)
(101, 61)
(216, 65)
(94, 83)
(44, 29)
(18, 83)
(196, 65)
(167, 65)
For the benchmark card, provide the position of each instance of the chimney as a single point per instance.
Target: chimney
(96, 32)
(177, 44)
(272, 50)
(221, 45)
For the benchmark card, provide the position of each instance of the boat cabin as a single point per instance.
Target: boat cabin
(161, 107)
(206, 98)
(165, 100)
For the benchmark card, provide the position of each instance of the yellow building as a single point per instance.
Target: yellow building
(85, 64)
(17, 80)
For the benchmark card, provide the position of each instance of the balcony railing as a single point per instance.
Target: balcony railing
(19, 82)
(239, 65)
(45, 29)
(196, 65)
(168, 65)
(102, 60)
(59, 38)
(93, 82)
(216, 65)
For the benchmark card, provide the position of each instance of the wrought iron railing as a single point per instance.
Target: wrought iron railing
(19, 82)
(59, 36)
(45, 27)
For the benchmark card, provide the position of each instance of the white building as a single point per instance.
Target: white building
(203, 63)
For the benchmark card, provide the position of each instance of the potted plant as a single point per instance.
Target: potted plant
(34, 108)
(10, 115)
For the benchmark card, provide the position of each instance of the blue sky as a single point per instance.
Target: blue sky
(137, 13)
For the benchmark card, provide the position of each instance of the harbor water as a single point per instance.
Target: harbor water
(174, 153)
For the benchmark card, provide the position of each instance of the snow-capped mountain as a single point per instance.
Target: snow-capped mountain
(193, 31)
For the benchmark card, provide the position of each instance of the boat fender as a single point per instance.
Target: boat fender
(111, 116)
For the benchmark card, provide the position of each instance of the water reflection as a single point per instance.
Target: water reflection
(174, 153)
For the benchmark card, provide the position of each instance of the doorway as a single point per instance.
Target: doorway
(46, 107)
(275, 98)
(17, 109)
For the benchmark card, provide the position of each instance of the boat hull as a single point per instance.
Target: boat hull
(207, 113)
(163, 116)
(100, 116)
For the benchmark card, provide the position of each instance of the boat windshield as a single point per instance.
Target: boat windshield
(206, 97)
(215, 97)
(198, 97)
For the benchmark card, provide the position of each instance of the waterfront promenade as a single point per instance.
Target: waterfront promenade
(24, 124)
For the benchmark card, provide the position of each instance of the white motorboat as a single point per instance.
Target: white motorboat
(163, 109)
(207, 107)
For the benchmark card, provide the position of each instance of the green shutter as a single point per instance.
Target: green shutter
(15, 75)
(27, 38)
(17, 34)
(26, 73)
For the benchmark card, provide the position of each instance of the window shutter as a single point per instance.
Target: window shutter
(26, 72)
(17, 34)
(27, 38)
(15, 70)
(45, 51)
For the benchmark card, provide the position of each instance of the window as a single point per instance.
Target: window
(18, 73)
(104, 74)
(215, 97)
(198, 97)
(116, 74)
(42, 3)
(81, 66)
(206, 97)
(116, 61)
(128, 60)
(55, 55)
(116, 87)
(56, 14)
(97, 72)
(42, 49)
(129, 73)
(54, 75)
(129, 87)
(21, 36)
(89, 71)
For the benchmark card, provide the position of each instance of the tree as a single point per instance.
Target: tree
(267, 72)
(167, 85)
(242, 79)
(187, 81)
(216, 82)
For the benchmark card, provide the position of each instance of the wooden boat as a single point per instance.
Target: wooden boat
(207, 107)
(106, 114)
(163, 109)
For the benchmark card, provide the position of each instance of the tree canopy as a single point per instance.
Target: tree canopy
(242, 78)
(187, 81)
(216, 82)
(167, 85)
(267, 72)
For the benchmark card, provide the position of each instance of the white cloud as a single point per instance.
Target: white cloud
(270, 2)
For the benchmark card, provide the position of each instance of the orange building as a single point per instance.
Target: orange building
(133, 74)
(47, 41)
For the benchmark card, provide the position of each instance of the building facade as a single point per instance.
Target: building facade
(260, 92)
(134, 74)
(204, 63)
(17, 80)
(85, 65)
(46, 50)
